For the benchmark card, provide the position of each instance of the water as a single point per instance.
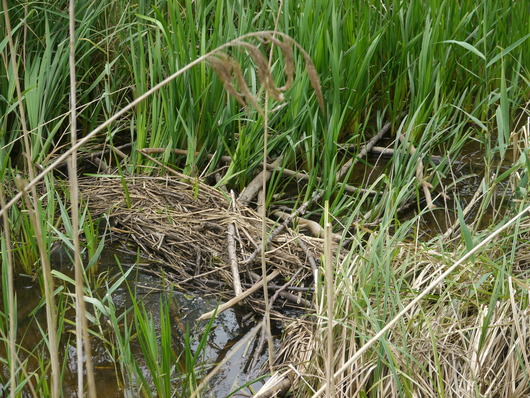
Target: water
(185, 307)
(466, 175)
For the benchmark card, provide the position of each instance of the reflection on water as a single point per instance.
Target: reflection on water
(185, 308)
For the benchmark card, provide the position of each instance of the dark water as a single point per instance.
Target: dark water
(461, 183)
(185, 307)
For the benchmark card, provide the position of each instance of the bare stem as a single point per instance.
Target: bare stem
(81, 325)
(32, 208)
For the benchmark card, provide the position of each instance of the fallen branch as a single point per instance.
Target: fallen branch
(256, 184)
(230, 303)
(250, 191)
(233, 259)
(312, 226)
(270, 286)
(293, 298)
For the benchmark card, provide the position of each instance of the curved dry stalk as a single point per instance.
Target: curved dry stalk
(228, 69)
(60, 160)
(81, 325)
(31, 203)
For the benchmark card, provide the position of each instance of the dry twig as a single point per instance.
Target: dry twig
(235, 300)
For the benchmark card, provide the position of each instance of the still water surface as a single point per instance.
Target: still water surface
(185, 307)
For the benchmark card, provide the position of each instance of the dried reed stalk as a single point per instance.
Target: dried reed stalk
(330, 288)
(10, 297)
(353, 359)
(81, 325)
(31, 204)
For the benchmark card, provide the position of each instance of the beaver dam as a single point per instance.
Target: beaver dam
(196, 236)
(407, 294)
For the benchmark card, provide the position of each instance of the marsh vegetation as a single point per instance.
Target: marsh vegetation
(352, 173)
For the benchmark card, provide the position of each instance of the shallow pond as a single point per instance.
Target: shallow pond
(228, 329)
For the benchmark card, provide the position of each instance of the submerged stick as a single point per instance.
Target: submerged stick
(278, 293)
(218, 367)
(365, 149)
(465, 212)
(379, 150)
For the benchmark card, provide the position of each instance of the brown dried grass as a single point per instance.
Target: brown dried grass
(445, 346)
(182, 224)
